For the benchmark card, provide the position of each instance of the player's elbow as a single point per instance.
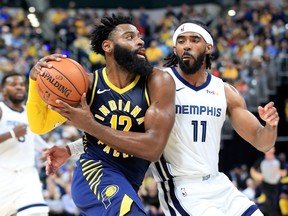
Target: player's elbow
(153, 157)
(155, 153)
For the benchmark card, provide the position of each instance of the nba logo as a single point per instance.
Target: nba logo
(182, 28)
(184, 193)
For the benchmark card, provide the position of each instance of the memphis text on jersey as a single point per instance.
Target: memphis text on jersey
(198, 110)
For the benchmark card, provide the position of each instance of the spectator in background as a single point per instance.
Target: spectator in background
(270, 48)
(70, 209)
(250, 190)
(154, 53)
(230, 72)
(268, 170)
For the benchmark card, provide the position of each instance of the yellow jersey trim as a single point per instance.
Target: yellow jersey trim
(94, 87)
(115, 88)
(125, 205)
(147, 96)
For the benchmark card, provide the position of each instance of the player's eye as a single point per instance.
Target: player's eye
(129, 37)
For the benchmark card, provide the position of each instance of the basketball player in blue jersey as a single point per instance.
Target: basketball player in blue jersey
(189, 181)
(126, 118)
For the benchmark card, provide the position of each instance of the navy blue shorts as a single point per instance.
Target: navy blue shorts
(98, 189)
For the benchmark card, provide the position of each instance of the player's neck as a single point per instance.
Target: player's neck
(120, 78)
(196, 79)
(14, 106)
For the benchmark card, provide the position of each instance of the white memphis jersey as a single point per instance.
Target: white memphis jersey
(194, 143)
(16, 153)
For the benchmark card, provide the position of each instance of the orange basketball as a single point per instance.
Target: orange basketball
(66, 81)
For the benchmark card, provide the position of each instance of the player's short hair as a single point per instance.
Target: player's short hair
(4, 79)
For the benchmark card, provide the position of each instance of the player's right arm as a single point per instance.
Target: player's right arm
(41, 118)
(159, 120)
(58, 155)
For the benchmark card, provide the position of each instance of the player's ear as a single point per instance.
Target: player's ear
(209, 48)
(107, 46)
(174, 50)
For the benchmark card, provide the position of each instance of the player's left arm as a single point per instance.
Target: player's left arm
(159, 120)
(247, 125)
(41, 119)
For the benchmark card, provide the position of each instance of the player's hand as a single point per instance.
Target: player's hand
(20, 130)
(81, 116)
(56, 157)
(269, 114)
(44, 63)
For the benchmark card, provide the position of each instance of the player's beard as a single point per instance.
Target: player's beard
(15, 100)
(188, 68)
(131, 62)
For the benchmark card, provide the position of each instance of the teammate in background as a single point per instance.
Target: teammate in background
(189, 181)
(20, 186)
(123, 96)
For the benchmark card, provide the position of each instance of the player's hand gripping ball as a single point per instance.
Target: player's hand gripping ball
(66, 81)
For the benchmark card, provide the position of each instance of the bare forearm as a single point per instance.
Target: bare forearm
(143, 145)
(266, 138)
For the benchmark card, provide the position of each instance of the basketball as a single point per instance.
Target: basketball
(66, 81)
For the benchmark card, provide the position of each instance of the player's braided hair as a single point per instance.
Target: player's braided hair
(103, 30)
(171, 59)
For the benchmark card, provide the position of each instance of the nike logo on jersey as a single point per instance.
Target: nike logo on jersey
(180, 89)
(102, 91)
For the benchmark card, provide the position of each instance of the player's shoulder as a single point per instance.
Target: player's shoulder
(233, 96)
(229, 87)
(159, 73)
(159, 78)
(231, 91)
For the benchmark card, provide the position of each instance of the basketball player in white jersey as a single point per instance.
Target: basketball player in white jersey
(189, 181)
(20, 187)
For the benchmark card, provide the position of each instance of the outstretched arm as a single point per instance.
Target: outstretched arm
(247, 125)
(58, 155)
(159, 119)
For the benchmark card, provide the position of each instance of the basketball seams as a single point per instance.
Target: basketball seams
(67, 79)
(60, 97)
(70, 85)
(80, 69)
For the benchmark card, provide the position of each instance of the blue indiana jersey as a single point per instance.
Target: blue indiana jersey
(121, 109)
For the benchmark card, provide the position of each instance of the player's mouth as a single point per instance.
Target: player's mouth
(141, 53)
(186, 57)
(20, 94)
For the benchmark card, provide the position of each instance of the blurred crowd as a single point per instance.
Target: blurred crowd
(251, 53)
